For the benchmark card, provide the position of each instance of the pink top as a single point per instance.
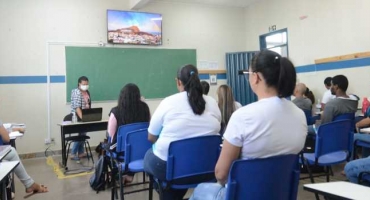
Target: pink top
(86, 99)
(112, 126)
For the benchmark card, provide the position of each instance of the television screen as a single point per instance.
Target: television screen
(127, 27)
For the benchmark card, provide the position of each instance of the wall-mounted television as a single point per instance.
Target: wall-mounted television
(128, 27)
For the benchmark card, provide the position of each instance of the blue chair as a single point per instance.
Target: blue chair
(121, 135)
(117, 157)
(136, 145)
(333, 146)
(190, 162)
(267, 178)
(309, 118)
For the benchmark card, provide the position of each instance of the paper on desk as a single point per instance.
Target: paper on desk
(15, 134)
(7, 125)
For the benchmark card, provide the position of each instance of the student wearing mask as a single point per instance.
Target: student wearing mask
(30, 185)
(186, 114)
(227, 105)
(259, 129)
(130, 109)
(80, 99)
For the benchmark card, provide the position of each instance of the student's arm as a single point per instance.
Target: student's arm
(229, 153)
(21, 130)
(231, 147)
(363, 123)
(79, 112)
(327, 115)
(4, 134)
(322, 106)
(156, 122)
(152, 138)
(112, 125)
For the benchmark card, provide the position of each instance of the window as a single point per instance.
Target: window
(275, 41)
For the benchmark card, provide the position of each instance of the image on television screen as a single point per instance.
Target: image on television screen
(127, 27)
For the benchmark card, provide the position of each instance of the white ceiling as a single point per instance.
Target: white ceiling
(233, 3)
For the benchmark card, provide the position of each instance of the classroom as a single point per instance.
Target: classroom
(37, 37)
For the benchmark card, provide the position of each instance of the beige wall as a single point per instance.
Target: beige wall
(332, 28)
(34, 33)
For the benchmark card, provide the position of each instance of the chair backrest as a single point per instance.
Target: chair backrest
(124, 129)
(308, 114)
(350, 116)
(267, 178)
(334, 137)
(137, 144)
(194, 157)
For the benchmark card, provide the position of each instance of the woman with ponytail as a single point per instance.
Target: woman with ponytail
(271, 126)
(186, 114)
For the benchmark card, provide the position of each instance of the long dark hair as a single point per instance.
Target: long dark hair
(225, 103)
(278, 71)
(130, 106)
(309, 95)
(188, 75)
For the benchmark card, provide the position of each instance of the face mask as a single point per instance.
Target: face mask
(84, 87)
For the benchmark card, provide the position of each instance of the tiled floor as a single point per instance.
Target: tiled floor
(77, 188)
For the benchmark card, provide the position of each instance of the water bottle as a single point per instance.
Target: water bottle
(74, 117)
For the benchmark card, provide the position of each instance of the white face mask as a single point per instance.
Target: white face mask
(84, 87)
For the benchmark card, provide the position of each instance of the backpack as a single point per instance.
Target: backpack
(98, 179)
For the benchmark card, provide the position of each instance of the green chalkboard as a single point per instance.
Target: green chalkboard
(109, 69)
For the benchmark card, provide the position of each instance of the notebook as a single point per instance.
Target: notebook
(93, 114)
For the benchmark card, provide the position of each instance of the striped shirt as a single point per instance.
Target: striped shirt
(77, 100)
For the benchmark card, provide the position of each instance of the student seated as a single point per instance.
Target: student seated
(186, 114)
(205, 86)
(20, 172)
(300, 100)
(342, 104)
(269, 127)
(130, 109)
(309, 94)
(355, 167)
(226, 104)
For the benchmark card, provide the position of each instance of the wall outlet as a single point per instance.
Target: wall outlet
(47, 141)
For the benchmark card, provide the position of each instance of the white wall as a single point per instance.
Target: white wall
(27, 27)
(332, 28)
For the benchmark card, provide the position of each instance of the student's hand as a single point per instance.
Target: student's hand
(21, 130)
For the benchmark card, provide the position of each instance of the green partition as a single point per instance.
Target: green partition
(109, 69)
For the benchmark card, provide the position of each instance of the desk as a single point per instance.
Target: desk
(5, 169)
(4, 150)
(79, 127)
(340, 190)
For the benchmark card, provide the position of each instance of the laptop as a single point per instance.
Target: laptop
(92, 114)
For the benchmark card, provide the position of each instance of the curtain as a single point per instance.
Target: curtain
(239, 84)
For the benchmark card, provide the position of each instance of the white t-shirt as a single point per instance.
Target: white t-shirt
(327, 97)
(237, 105)
(268, 127)
(174, 120)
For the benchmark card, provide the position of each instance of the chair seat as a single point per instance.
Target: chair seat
(136, 166)
(77, 138)
(362, 143)
(328, 159)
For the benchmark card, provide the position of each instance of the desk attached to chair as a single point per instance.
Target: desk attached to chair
(79, 127)
(5, 169)
(339, 190)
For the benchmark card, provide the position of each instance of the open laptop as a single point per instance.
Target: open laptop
(93, 114)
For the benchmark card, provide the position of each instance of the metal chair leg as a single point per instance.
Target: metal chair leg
(92, 157)
(327, 174)
(120, 183)
(151, 182)
(86, 150)
(68, 146)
